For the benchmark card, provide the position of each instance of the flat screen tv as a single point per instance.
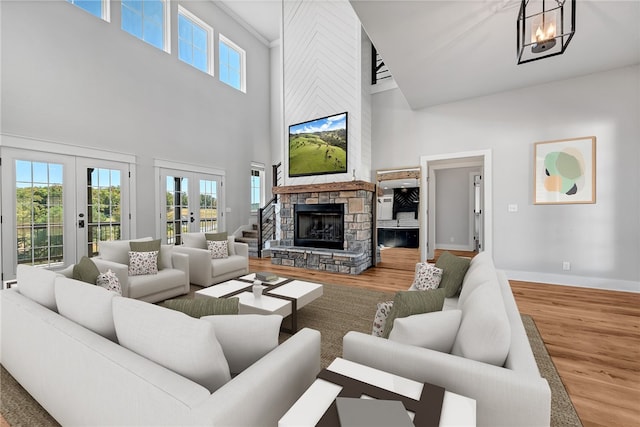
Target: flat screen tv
(319, 146)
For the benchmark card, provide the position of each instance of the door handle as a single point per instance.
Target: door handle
(81, 223)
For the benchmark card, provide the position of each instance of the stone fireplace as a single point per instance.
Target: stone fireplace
(326, 226)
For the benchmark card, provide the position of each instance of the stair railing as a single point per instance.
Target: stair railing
(267, 215)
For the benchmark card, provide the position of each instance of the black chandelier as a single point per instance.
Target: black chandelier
(545, 28)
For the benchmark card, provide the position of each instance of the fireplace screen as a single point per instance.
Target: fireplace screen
(320, 226)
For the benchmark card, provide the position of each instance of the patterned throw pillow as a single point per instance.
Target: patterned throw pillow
(141, 263)
(109, 281)
(218, 249)
(427, 276)
(380, 319)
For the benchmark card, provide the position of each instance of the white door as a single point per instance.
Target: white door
(189, 202)
(102, 203)
(42, 207)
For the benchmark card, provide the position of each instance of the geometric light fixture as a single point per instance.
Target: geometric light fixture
(545, 28)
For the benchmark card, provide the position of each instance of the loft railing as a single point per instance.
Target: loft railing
(379, 70)
(267, 214)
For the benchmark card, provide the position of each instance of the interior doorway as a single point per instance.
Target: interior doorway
(479, 218)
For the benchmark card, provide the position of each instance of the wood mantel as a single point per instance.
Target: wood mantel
(331, 186)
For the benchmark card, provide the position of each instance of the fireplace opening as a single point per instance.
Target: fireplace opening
(319, 226)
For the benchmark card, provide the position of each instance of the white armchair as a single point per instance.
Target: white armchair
(205, 271)
(172, 278)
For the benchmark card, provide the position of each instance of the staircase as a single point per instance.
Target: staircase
(250, 237)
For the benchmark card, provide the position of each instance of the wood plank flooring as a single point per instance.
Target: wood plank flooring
(593, 336)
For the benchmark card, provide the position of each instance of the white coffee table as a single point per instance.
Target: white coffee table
(283, 296)
(457, 410)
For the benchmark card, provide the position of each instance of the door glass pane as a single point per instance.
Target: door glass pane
(208, 205)
(177, 208)
(103, 207)
(39, 213)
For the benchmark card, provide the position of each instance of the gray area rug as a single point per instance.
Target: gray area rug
(341, 309)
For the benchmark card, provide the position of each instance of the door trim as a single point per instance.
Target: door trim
(427, 165)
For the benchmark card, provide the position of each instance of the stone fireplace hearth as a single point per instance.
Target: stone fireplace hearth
(353, 254)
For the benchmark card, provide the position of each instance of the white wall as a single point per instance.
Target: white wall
(601, 240)
(70, 77)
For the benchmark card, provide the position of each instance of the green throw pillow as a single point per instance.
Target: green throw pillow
(86, 271)
(453, 270)
(216, 236)
(146, 246)
(199, 307)
(407, 303)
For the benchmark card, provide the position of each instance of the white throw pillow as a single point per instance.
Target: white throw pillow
(485, 332)
(245, 338)
(87, 305)
(218, 249)
(172, 339)
(427, 276)
(380, 319)
(142, 263)
(37, 284)
(436, 330)
(109, 281)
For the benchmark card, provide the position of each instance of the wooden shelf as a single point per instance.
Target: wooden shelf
(331, 186)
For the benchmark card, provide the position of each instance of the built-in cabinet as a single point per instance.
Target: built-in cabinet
(399, 237)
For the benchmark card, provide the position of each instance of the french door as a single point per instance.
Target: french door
(189, 202)
(102, 203)
(56, 207)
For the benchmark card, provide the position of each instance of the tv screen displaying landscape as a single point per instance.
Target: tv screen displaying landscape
(318, 146)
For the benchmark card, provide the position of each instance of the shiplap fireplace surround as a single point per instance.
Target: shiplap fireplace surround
(358, 200)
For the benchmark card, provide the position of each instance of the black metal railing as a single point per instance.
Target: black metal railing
(267, 214)
(379, 70)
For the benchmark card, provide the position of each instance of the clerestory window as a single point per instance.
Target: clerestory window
(147, 20)
(232, 64)
(195, 41)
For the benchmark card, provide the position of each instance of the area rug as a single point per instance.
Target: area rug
(339, 310)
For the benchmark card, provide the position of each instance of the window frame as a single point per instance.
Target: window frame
(259, 168)
(105, 9)
(166, 25)
(210, 39)
(243, 62)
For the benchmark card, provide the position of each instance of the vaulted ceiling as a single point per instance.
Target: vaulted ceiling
(444, 51)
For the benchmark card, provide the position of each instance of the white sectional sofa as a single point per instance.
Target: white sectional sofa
(69, 344)
(489, 357)
(205, 271)
(172, 278)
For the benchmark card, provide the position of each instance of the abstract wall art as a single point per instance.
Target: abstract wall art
(565, 171)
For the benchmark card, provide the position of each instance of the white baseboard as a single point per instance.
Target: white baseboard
(578, 281)
(448, 247)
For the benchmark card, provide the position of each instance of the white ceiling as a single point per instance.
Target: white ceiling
(444, 51)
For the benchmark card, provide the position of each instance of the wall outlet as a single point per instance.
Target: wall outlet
(512, 207)
(566, 265)
(452, 239)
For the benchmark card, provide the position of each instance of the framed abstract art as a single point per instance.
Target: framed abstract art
(564, 171)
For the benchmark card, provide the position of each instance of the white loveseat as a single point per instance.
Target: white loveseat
(205, 271)
(490, 328)
(60, 341)
(172, 278)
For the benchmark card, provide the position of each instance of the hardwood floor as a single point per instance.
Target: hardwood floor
(593, 336)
